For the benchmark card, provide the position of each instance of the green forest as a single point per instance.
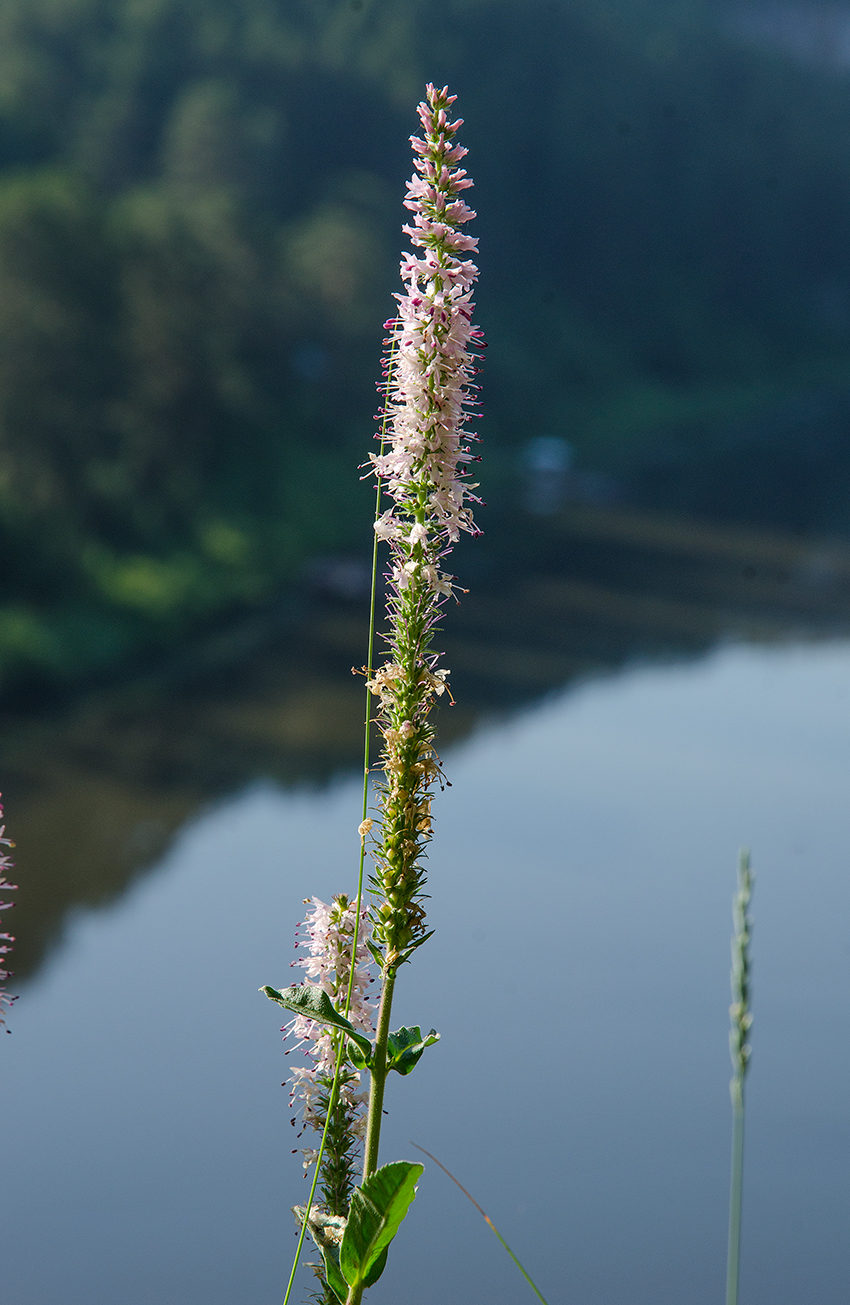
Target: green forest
(200, 212)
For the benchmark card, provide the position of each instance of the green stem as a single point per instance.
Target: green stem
(355, 1295)
(376, 1097)
(736, 1190)
(379, 1075)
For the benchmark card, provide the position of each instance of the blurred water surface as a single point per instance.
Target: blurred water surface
(100, 786)
(581, 880)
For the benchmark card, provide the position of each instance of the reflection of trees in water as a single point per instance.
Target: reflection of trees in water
(99, 791)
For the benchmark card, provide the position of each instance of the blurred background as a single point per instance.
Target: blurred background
(199, 238)
(200, 211)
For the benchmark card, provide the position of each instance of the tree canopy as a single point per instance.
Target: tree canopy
(200, 203)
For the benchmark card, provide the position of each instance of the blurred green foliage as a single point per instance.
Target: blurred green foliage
(199, 234)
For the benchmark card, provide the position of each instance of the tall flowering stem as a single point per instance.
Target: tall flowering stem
(421, 471)
(6, 939)
(739, 1046)
(431, 361)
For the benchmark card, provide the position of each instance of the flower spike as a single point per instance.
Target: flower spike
(430, 362)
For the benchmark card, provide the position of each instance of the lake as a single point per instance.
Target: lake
(612, 749)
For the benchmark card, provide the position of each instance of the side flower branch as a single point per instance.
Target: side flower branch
(6, 939)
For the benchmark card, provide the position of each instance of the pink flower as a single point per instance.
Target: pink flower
(330, 935)
(429, 367)
(431, 361)
(6, 939)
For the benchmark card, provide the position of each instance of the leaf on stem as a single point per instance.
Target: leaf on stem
(358, 1057)
(311, 1001)
(406, 955)
(377, 954)
(405, 1047)
(377, 1209)
(377, 1268)
(333, 1275)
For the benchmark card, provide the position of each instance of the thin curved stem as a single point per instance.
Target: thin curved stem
(314, 1184)
(366, 766)
(532, 1284)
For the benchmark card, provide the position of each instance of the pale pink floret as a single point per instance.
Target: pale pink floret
(431, 358)
(6, 939)
(327, 964)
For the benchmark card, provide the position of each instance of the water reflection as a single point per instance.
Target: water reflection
(579, 976)
(97, 792)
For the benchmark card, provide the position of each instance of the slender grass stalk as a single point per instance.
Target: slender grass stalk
(318, 1165)
(364, 827)
(735, 1194)
(366, 822)
(532, 1284)
(742, 1020)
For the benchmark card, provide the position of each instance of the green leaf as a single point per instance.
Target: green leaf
(406, 955)
(311, 1001)
(333, 1276)
(377, 1268)
(377, 1209)
(377, 953)
(355, 1055)
(406, 1046)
